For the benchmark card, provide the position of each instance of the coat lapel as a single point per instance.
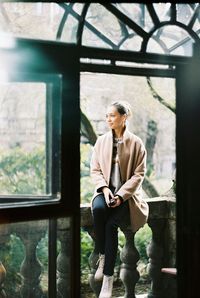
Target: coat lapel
(124, 155)
(108, 160)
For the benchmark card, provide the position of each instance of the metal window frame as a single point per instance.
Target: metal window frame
(57, 60)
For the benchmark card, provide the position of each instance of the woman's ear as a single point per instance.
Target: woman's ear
(125, 118)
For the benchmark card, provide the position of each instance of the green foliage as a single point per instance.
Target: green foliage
(86, 250)
(42, 251)
(85, 152)
(22, 172)
(142, 239)
(16, 249)
(12, 255)
(87, 188)
(150, 169)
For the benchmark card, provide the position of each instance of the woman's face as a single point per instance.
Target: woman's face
(114, 119)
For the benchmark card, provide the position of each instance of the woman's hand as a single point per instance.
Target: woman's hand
(108, 195)
(117, 202)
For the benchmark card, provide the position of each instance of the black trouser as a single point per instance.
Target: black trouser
(106, 223)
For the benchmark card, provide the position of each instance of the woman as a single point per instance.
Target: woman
(118, 166)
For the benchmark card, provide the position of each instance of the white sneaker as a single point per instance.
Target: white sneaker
(107, 286)
(99, 273)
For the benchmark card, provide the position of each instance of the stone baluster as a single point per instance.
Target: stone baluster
(93, 258)
(63, 259)
(2, 278)
(155, 253)
(87, 224)
(170, 281)
(30, 234)
(129, 257)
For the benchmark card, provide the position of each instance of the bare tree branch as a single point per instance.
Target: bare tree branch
(87, 130)
(158, 97)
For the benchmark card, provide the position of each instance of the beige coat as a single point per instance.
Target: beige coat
(132, 161)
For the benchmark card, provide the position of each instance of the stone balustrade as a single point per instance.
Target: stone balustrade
(161, 252)
(31, 269)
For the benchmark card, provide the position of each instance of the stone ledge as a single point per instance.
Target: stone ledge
(159, 208)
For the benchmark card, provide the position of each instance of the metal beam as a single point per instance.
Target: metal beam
(123, 70)
(120, 55)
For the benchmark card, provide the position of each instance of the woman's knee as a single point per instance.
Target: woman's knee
(98, 210)
(98, 206)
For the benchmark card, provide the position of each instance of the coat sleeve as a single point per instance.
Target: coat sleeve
(131, 186)
(95, 170)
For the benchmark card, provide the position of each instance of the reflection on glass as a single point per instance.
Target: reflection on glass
(23, 138)
(24, 257)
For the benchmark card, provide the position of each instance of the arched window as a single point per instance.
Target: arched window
(165, 28)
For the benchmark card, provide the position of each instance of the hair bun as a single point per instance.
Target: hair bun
(127, 107)
(123, 107)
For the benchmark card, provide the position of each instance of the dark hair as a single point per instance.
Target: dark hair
(122, 107)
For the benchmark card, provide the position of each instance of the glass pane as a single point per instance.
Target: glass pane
(171, 40)
(26, 154)
(28, 262)
(69, 35)
(103, 23)
(138, 13)
(78, 7)
(196, 27)
(163, 11)
(184, 13)
(91, 39)
(32, 20)
(132, 43)
(23, 138)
